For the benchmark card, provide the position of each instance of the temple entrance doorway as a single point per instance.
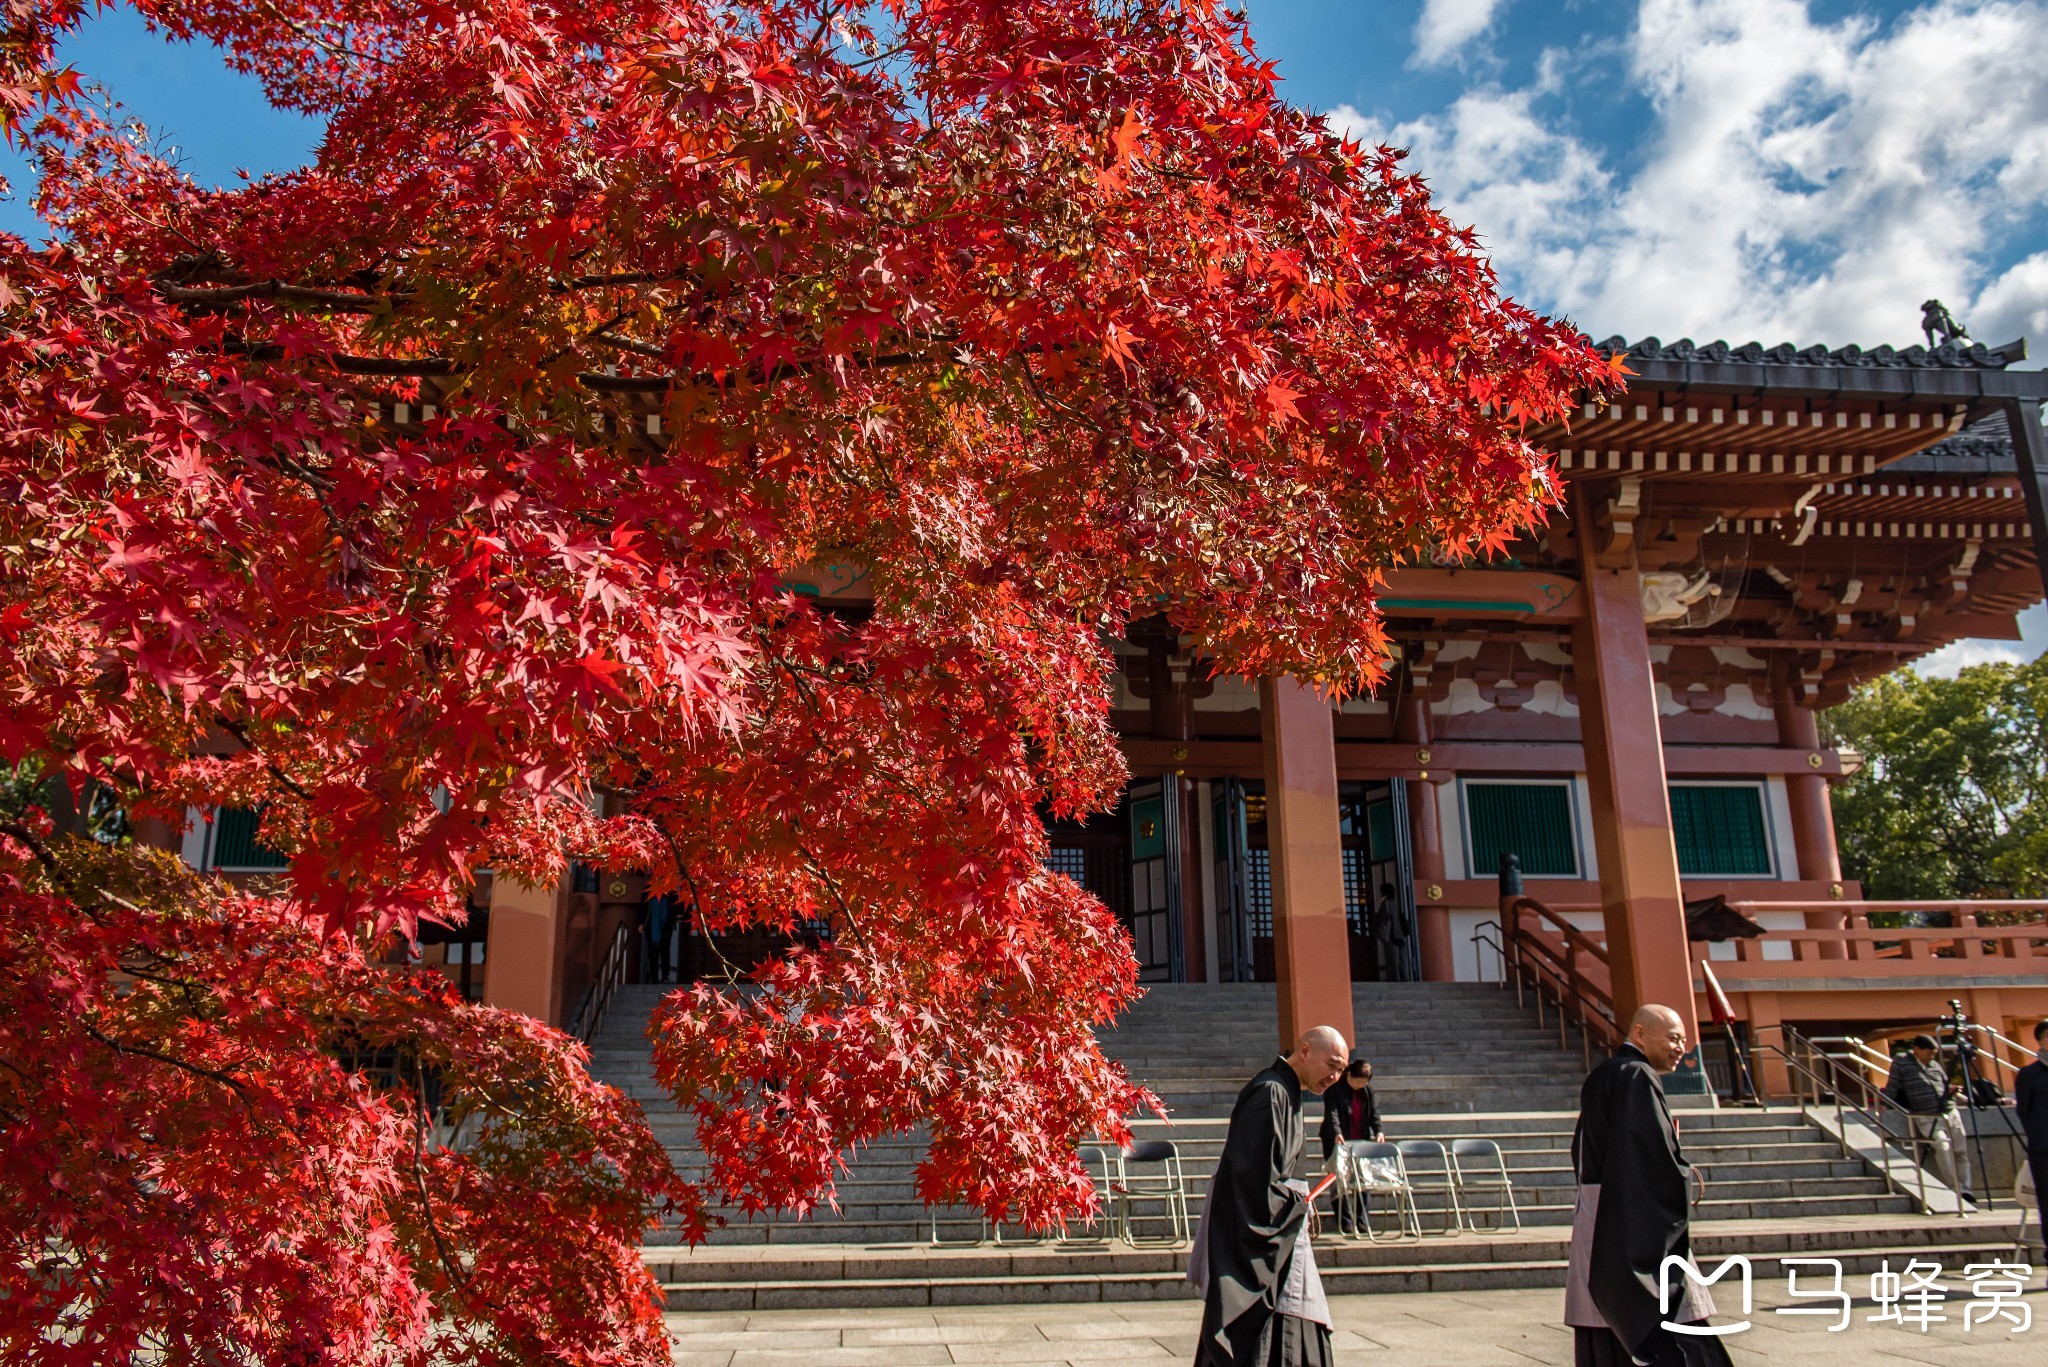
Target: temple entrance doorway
(1379, 893)
(1379, 882)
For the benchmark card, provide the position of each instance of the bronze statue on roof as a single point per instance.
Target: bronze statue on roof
(1935, 318)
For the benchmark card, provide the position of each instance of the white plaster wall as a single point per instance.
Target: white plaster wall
(1124, 700)
(1746, 701)
(1463, 697)
(1474, 962)
(1740, 700)
(1230, 693)
(1778, 820)
(192, 849)
(1549, 701)
(1450, 819)
(1582, 807)
(1470, 962)
(1735, 657)
(1773, 949)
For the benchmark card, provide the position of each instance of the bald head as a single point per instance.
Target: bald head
(1660, 1033)
(1318, 1057)
(1320, 1038)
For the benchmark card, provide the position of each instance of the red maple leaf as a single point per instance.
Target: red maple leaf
(656, 410)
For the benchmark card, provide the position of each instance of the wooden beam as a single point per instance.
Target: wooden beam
(1417, 592)
(2023, 416)
(1392, 759)
(1796, 643)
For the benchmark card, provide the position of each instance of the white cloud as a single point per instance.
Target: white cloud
(2015, 304)
(1799, 181)
(1951, 660)
(1802, 180)
(1445, 26)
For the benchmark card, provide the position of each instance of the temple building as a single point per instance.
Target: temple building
(1616, 720)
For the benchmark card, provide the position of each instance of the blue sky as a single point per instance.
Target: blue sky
(1772, 170)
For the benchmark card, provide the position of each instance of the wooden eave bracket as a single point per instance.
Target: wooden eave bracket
(1617, 517)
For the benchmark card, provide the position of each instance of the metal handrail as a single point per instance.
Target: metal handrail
(609, 978)
(1870, 1102)
(1998, 1060)
(1577, 999)
(1860, 1050)
(1877, 1058)
(1479, 937)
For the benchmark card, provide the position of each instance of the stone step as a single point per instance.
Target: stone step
(1450, 1061)
(895, 1196)
(841, 1276)
(1198, 1143)
(909, 1223)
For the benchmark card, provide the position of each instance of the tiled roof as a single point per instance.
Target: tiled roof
(1947, 356)
(1982, 448)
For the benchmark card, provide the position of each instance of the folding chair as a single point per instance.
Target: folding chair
(1430, 1173)
(980, 1238)
(1371, 1168)
(1348, 1215)
(1100, 1165)
(1480, 1166)
(1168, 1185)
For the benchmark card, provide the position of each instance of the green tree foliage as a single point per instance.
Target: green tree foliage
(1952, 799)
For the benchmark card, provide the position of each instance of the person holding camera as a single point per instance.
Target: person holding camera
(1920, 1087)
(1349, 1108)
(1350, 1112)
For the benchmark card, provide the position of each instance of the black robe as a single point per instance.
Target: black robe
(1254, 1220)
(1626, 1144)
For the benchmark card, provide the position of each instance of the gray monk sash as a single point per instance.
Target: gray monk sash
(1301, 1291)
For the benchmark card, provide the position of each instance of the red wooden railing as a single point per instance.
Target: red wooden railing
(1563, 965)
(1899, 951)
(1567, 968)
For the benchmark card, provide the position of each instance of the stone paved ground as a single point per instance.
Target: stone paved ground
(1439, 1329)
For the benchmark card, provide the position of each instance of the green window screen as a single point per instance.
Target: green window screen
(1719, 830)
(1532, 820)
(235, 845)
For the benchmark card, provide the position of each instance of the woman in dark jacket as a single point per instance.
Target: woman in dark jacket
(1349, 1109)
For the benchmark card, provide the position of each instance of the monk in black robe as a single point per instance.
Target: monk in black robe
(1254, 1220)
(1633, 1200)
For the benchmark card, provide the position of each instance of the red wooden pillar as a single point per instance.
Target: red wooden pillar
(1806, 801)
(523, 956)
(1311, 952)
(1426, 851)
(1640, 897)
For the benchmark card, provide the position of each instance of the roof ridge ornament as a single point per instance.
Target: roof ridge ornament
(1935, 318)
(1955, 353)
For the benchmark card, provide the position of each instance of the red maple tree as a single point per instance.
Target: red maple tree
(461, 474)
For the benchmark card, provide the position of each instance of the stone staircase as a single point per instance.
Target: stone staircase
(1450, 1060)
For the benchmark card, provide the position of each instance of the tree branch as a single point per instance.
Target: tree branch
(421, 1117)
(234, 728)
(328, 301)
(144, 1051)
